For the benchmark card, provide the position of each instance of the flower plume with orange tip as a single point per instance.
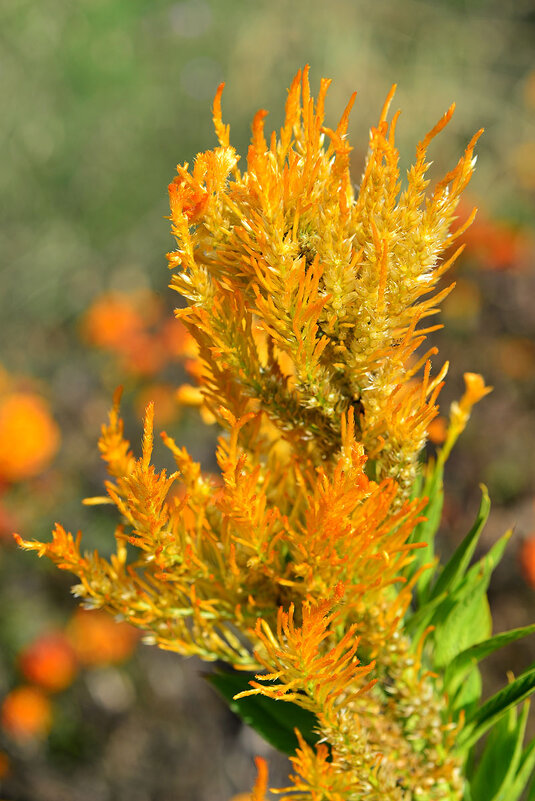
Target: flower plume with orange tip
(309, 560)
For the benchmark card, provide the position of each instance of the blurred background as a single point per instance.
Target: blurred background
(100, 100)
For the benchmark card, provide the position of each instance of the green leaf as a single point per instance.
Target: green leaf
(501, 757)
(505, 792)
(418, 621)
(493, 710)
(491, 768)
(463, 618)
(460, 622)
(274, 720)
(459, 667)
(453, 572)
(425, 531)
(468, 694)
(483, 569)
(524, 773)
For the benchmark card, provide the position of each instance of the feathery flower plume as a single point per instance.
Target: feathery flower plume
(310, 560)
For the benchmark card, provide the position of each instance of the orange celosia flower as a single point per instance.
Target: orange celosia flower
(29, 437)
(26, 713)
(497, 244)
(130, 325)
(112, 320)
(188, 395)
(177, 340)
(49, 661)
(166, 408)
(97, 639)
(305, 300)
(474, 392)
(527, 560)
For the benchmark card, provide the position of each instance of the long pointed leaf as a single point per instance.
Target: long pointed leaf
(492, 710)
(456, 670)
(504, 793)
(457, 566)
(524, 773)
(426, 530)
(493, 765)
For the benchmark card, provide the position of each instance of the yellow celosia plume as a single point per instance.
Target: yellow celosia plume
(338, 282)
(305, 299)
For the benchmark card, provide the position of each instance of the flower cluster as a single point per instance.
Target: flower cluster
(308, 302)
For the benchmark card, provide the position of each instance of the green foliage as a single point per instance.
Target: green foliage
(455, 569)
(452, 601)
(498, 766)
(460, 666)
(425, 532)
(487, 715)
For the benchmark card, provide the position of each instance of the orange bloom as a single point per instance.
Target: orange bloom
(29, 437)
(26, 713)
(177, 340)
(130, 325)
(112, 320)
(475, 390)
(49, 661)
(527, 560)
(496, 244)
(98, 640)
(166, 408)
(188, 395)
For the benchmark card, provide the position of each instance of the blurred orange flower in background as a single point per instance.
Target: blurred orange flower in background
(97, 639)
(438, 430)
(113, 319)
(26, 713)
(495, 244)
(49, 661)
(29, 437)
(136, 328)
(527, 560)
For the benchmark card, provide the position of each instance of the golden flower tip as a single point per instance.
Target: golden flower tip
(474, 392)
(460, 411)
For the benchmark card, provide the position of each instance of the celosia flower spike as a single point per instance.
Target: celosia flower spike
(306, 300)
(291, 239)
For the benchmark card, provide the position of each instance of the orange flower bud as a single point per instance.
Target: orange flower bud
(437, 430)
